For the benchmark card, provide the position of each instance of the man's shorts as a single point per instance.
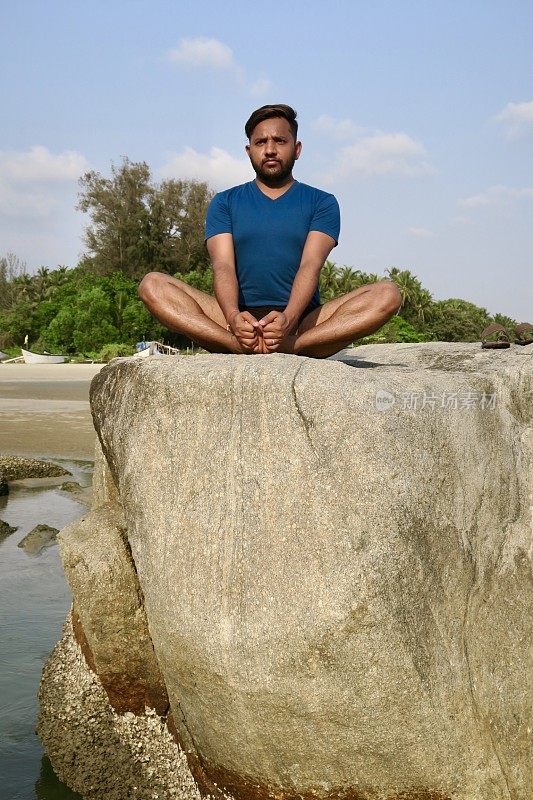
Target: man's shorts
(261, 311)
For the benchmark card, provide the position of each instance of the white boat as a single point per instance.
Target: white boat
(41, 358)
(145, 349)
(155, 349)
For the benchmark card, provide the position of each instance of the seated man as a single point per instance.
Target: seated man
(268, 240)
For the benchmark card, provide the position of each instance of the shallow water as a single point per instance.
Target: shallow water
(34, 601)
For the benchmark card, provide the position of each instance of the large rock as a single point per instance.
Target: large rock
(335, 564)
(102, 754)
(108, 614)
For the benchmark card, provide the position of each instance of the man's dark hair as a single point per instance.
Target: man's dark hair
(268, 112)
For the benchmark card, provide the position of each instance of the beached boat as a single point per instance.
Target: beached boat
(41, 358)
(145, 349)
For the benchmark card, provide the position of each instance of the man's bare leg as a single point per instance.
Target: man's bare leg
(189, 311)
(341, 321)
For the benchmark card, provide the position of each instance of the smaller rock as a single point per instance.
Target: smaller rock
(71, 486)
(14, 468)
(81, 494)
(6, 529)
(4, 488)
(36, 540)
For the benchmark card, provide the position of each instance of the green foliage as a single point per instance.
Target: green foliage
(396, 329)
(115, 350)
(17, 321)
(202, 280)
(11, 351)
(508, 323)
(74, 310)
(92, 322)
(137, 323)
(138, 226)
(337, 281)
(59, 334)
(11, 267)
(457, 320)
(417, 302)
(88, 311)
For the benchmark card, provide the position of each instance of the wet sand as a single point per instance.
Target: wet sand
(44, 410)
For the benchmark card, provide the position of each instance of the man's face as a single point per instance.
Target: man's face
(273, 151)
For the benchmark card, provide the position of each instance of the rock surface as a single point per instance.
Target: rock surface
(6, 529)
(99, 753)
(16, 467)
(70, 486)
(335, 564)
(38, 539)
(82, 494)
(114, 632)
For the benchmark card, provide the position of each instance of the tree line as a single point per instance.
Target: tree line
(136, 226)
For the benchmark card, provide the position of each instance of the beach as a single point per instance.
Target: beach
(44, 413)
(44, 410)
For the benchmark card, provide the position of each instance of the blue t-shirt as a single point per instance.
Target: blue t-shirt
(269, 236)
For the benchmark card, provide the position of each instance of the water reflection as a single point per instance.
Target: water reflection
(49, 787)
(34, 601)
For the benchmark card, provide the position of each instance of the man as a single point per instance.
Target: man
(268, 240)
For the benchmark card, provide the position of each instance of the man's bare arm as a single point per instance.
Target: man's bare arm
(242, 325)
(222, 255)
(317, 248)
(277, 325)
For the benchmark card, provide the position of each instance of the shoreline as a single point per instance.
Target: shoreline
(45, 412)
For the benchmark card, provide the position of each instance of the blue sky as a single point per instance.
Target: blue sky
(418, 116)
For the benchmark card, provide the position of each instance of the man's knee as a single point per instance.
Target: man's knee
(150, 286)
(388, 296)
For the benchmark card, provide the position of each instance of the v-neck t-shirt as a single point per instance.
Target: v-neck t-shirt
(269, 236)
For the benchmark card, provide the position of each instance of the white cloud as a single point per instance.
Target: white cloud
(338, 128)
(517, 118)
(203, 52)
(381, 154)
(210, 53)
(260, 86)
(218, 168)
(420, 233)
(496, 195)
(39, 165)
(33, 182)
(372, 152)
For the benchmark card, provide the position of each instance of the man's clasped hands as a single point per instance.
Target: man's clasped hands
(260, 336)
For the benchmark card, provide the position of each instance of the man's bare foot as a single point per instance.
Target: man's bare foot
(287, 345)
(238, 350)
(235, 346)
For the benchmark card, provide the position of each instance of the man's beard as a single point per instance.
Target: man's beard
(274, 179)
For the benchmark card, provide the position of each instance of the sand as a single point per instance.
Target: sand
(44, 410)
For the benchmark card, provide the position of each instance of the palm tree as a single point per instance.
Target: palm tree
(23, 286)
(40, 283)
(423, 304)
(415, 299)
(328, 281)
